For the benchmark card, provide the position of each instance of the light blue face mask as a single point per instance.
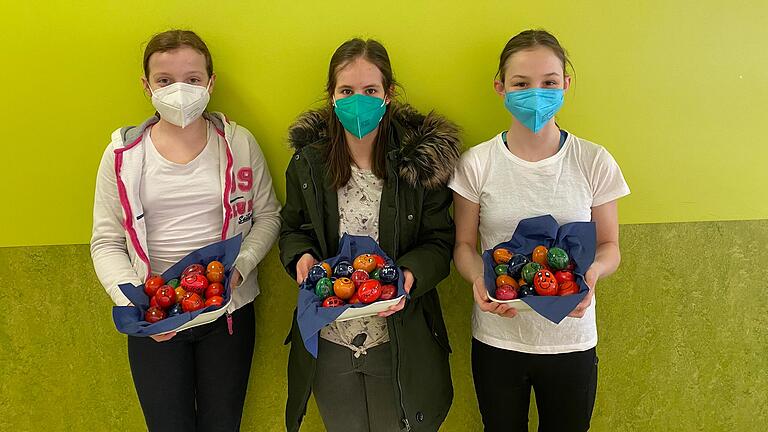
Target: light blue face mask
(534, 107)
(359, 114)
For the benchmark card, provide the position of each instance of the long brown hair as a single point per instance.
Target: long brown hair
(174, 39)
(337, 154)
(529, 39)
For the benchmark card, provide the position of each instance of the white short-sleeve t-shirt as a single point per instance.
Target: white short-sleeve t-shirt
(581, 175)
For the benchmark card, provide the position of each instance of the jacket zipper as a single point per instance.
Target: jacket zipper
(317, 200)
(228, 183)
(397, 216)
(397, 254)
(399, 385)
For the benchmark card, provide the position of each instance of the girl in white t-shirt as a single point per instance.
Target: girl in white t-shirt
(534, 168)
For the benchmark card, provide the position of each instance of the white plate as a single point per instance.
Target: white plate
(369, 310)
(203, 318)
(516, 303)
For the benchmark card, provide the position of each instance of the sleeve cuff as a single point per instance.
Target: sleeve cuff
(245, 266)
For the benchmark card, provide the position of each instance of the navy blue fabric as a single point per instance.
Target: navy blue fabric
(311, 315)
(578, 239)
(130, 319)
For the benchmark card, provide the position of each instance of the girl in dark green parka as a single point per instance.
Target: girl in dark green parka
(367, 165)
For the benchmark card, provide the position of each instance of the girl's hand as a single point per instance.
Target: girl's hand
(591, 279)
(163, 337)
(235, 279)
(488, 305)
(407, 285)
(303, 265)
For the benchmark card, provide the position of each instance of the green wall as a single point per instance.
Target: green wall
(683, 339)
(669, 87)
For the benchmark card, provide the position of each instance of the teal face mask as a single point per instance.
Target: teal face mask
(359, 114)
(534, 107)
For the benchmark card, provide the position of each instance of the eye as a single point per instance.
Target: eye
(520, 84)
(163, 82)
(194, 80)
(370, 91)
(551, 83)
(346, 92)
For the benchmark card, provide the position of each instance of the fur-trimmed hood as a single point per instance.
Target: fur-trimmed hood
(429, 145)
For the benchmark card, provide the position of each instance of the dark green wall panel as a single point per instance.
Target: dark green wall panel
(683, 340)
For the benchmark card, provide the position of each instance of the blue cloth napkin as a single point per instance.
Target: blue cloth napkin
(130, 319)
(578, 239)
(311, 315)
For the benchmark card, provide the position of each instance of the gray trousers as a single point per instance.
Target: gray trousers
(355, 394)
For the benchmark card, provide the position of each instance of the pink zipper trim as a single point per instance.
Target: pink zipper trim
(227, 187)
(128, 224)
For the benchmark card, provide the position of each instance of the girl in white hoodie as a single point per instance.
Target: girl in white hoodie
(184, 179)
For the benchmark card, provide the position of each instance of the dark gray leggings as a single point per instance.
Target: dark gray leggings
(197, 380)
(355, 394)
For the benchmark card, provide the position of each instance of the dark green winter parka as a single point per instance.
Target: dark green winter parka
(415, 229)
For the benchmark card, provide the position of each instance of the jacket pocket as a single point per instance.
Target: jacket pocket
(136, 262)
(438, 332)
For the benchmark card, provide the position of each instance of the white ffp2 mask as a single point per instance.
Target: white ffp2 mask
(180, 103)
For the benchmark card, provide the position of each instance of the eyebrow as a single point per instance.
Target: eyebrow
(345, 86)
(168, 74)
(547, 75)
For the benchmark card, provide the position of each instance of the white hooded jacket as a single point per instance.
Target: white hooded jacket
(119, 238)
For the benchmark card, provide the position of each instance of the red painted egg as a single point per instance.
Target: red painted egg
(214, 301)
(545, 283)
(506, 292)
(214, 289)
(388, 292)
(154, 315)
(358, 277)
(333, 301)
(192, 302)
(152, 284)
(369, 291)
(567, 288)
(196, 283)
(193, 269)
(165, 296)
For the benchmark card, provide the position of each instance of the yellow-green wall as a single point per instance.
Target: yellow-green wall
(671, 88)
